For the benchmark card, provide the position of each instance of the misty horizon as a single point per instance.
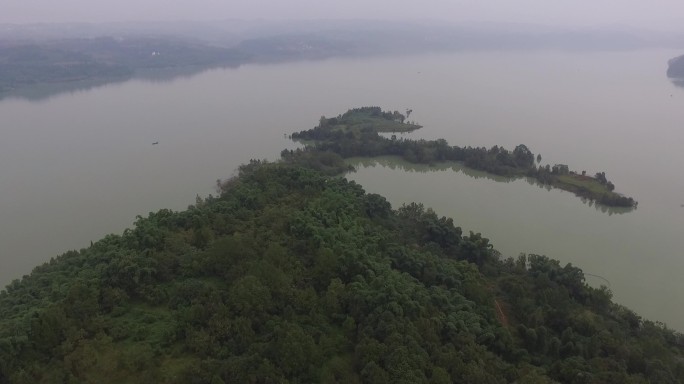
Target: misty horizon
(661, 15)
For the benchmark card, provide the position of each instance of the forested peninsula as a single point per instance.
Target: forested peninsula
(292, 275)
(357, 133)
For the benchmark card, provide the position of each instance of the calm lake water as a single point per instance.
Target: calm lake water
(80, 165)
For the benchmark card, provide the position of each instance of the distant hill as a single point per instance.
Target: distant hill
(675, 67)
(25, 64)
(56, 57)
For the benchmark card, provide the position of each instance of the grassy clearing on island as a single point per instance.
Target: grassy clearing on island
(583, 182)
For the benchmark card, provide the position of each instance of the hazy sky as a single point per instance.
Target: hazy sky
(658, 14)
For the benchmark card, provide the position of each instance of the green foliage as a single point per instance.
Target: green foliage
(302, 277)
(596, 188)
(357, 133)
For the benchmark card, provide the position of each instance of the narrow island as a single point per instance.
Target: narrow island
(356, 133)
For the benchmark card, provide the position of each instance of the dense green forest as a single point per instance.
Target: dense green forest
(357, 133)
(293, 275)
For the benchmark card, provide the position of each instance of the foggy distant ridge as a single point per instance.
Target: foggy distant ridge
(76, 55)
(415, 34)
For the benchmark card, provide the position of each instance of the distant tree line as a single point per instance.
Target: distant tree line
(335, 135)
(25, 64)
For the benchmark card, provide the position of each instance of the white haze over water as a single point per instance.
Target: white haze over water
(655, 14)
